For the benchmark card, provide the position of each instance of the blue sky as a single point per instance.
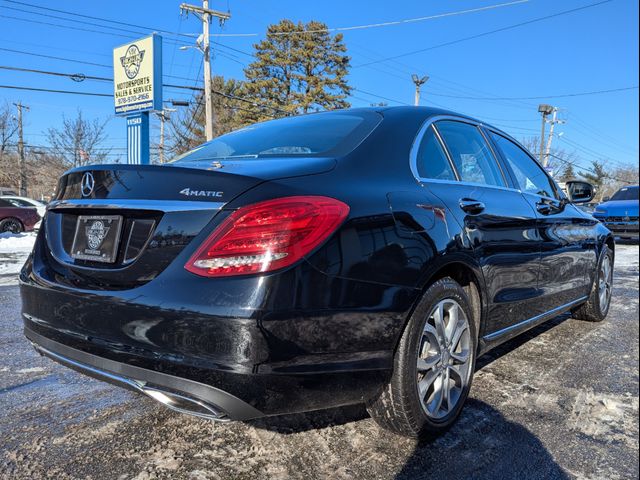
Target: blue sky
(590, 50)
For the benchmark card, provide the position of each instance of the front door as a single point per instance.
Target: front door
(499, 223)
(567, 236)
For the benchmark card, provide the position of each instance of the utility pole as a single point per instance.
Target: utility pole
(23, 163)
(553, 122)
(418, 82)
(545, 110)
(205, 14)
(163, 116)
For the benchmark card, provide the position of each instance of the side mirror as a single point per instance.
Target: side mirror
(606, 199)
(580, 192)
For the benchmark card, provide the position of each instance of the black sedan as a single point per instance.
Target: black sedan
(359, 256)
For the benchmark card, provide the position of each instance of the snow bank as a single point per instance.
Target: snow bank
(17, 243)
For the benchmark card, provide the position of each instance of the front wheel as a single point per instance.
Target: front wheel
(433, 365)
(597, 307)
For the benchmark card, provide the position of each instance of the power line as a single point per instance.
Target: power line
(254, 34)
(76, 77)
(380, 24)
(48, 90)
(22, 52)
(541, 97)
(484, 34)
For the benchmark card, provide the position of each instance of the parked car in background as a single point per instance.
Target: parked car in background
(15, 218)
(620, 212)
(7, 191)
(27, 202)
(355, 256)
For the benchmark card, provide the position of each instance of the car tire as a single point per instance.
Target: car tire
(595, 309)
(11, 225)
(408, 403)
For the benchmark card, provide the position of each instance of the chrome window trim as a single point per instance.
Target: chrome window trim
(135, 204)
(413, 154)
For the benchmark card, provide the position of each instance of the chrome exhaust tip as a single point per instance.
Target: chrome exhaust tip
(184, 404)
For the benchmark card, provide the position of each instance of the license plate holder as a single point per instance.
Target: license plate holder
(96, 238)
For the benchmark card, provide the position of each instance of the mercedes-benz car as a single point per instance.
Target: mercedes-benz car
(620, 213)
(358, 256)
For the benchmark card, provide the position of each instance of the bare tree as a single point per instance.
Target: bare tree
(559, 159)
(78, 141)
(8, 128)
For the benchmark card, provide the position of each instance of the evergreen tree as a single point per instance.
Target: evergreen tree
(597, 177)
(299, 68)
(568, 173)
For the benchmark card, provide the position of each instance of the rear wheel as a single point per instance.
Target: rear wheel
(597, 307)
(11, 225)
(433, 366)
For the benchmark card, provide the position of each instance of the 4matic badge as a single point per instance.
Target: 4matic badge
(190, 192)
(132, 60)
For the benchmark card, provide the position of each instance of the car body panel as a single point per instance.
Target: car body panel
(322, 332)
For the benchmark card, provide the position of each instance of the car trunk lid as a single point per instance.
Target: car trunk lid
(119, 226)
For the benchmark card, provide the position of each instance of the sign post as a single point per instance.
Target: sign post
(137, 90)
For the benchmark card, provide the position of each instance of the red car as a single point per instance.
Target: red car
(15, 219)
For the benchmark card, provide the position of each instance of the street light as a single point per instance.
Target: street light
(418, 82)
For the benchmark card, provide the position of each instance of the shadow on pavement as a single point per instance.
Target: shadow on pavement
(482, 444)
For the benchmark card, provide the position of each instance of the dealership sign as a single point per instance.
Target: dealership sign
(137, 76)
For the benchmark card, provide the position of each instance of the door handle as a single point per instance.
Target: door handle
(471, 206)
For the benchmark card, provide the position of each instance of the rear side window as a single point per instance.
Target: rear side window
(5, 203)
(529, 175)
(470, 153)
(432, 161)
(331, 133)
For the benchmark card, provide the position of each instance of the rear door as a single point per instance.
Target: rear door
(567, 235)
(500, 225)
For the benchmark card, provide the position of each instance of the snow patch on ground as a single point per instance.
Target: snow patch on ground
(14, 250)
(17, 242)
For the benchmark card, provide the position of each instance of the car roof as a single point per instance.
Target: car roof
(18, 197)
(428, 112)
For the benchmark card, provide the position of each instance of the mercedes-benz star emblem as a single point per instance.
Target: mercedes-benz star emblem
(87, 184)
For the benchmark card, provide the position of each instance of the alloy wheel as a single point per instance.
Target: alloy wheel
(604, 283)
(444, 359)
(11, 226)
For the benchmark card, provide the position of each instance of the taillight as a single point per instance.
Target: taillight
(267, 236)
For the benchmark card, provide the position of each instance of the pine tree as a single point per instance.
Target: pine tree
(299, 68)
(568, 173)
(597, 176)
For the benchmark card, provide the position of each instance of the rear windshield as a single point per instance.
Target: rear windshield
(627, 193)
(320, 134)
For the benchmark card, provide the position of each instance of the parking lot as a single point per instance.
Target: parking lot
(559, 402)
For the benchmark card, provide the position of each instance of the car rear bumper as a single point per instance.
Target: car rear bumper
(248, 344)
(183, 395)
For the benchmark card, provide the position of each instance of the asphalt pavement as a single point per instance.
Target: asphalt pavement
(558, 402)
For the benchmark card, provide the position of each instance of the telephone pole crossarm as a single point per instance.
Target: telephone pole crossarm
(200, 11)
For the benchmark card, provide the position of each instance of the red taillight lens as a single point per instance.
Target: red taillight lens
(267, 236)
